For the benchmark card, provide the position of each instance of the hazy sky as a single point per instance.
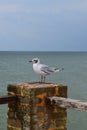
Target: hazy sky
(43, 25)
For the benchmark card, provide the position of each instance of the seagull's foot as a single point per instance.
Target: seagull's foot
(41, 82)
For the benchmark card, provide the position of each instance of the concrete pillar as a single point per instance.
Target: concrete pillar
(31, 112)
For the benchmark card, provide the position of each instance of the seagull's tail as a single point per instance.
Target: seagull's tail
(58, 69)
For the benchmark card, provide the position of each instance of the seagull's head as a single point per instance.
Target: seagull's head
(35, 61)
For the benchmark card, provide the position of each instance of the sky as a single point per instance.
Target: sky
(43, 25)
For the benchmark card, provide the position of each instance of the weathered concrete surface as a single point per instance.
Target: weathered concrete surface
(31, 112)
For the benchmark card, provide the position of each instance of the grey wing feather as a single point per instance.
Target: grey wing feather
(47, 70)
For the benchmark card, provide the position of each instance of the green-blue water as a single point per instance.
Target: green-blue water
(15, 68)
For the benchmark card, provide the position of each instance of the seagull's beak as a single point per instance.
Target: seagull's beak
(30, 61)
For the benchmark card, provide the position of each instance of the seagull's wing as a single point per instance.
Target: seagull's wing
(46, 69)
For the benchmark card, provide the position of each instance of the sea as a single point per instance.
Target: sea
(15, 69)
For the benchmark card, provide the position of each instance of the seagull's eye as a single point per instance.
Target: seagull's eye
(35, 61)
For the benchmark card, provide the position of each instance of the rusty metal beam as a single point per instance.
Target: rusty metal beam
(8, 99)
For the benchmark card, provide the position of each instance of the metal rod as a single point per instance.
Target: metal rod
(8, 99)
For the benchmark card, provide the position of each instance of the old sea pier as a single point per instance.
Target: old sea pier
(39, 106)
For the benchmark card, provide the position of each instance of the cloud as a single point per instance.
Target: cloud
(43, 7)
(41, 19)
(9, 8)
(76, 6)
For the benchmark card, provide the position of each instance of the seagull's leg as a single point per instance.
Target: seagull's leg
(44, 79)
(41, 79)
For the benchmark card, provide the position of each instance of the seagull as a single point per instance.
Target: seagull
(42, 69)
